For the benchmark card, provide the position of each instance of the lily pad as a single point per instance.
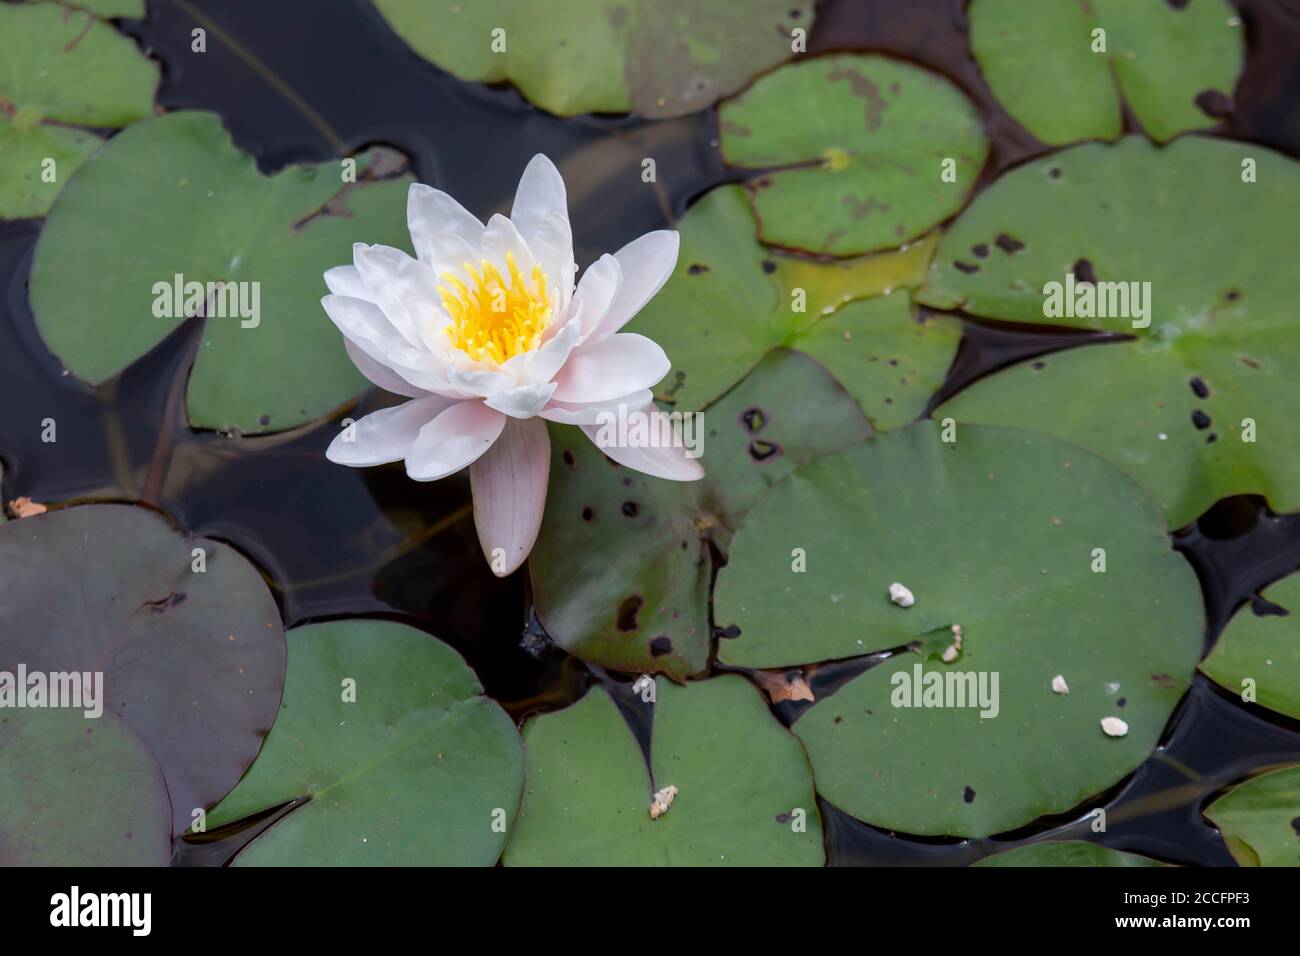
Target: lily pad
(997, 533)
(864, 168)
(1198, 406)
(1175, 64)
(192, 660)
(1260, 819)
(418, 768)
(731, 300)
(78, 791)
(126, 9)
(623, 564)
(1074, 853)
(658, 58)
(1263, 647)
(744, 789)
(197, 208)
(63, 69)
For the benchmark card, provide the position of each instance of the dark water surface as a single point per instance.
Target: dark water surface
(299, 81)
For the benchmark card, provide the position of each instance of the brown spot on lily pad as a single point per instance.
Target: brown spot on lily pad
(627, 612)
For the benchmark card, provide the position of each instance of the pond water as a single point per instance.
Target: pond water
(303, 81)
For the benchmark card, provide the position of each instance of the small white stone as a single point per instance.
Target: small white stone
(662, 801)
(900, 595)
(1114, 727)
(1059, 686)
(950, 654)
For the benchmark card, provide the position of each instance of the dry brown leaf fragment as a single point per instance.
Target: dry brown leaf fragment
(784, 685)
(26, 508)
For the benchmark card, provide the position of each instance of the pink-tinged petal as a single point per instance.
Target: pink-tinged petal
(509, 486)
(386, 435)
(609, 367)
(667, 461)
(524, 401)
(646, 263)
(431, 211)
(540, 365)
(380, 374)
(346, 280)
(597, 290)
(456, 438)
(405, 288)
(572, 413)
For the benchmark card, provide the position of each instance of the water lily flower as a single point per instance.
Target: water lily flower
(487, 334)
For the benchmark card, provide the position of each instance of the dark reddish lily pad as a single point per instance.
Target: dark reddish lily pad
(193, 661)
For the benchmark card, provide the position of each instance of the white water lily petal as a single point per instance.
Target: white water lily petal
(509, 487)
(451, 253)
(431, 211)
(502, 237)
(540, 365)
(669, 462)
(346, 280)
(454, 439)
(573, 413)
(386, 435)
(609, 367)
(541, 193)
(363, 323)
(405, 288)
(552, 244)
(463, 374)
(523, 401)
(596, 292)
(379, 374)
(646, 264)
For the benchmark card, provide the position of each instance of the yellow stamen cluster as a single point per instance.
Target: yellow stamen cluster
(493, 320)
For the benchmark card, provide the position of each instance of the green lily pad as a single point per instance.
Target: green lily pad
(1073, 853)
(1260, 819)
(1221, 349)
(63, 69)
(658, 59)
(1264, 649)
(998, 534)
(744, 789)
(192, 660)
(863, 170)
(419, 768)
(1162, 58)
(731, 300)
(198, 208)
(125, 9)
(78, 791)
(623, 564)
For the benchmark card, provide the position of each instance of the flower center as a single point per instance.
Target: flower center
(492, 319)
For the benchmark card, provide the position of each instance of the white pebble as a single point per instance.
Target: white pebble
(900, 595)
(1059, 685)
(1114, 727)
